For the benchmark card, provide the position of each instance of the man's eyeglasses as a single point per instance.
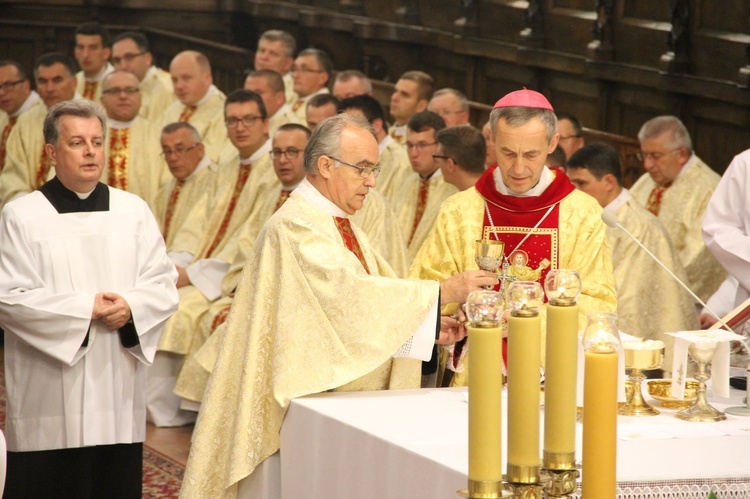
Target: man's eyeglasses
(364, 171)
(121, 90)
(440, 156)
(126, 58)
(247, 121)
(419, 146)
(8, 85)
(655, 156)
(289, 153)
(568, 137)
(178, 151)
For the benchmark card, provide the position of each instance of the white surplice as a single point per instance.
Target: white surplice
(60, 393)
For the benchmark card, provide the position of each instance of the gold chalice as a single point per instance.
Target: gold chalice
(702, 352)
(640, 356)
(488, 254)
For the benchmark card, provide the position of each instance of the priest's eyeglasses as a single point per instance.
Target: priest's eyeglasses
(654, 156)
(290, 153)
(178, 151)
(121, 90)
(246, 121)
(419, 146)
(126, 58)
(8, 85)
(364, 171)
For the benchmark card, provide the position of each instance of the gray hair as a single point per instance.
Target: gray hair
(277, 35)
(79, 108)
(179, 125)
(517, 116)
(326, 138)
(678, 134)
(462, 99)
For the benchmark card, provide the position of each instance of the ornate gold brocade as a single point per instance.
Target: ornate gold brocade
(119, 145)
(299, 273)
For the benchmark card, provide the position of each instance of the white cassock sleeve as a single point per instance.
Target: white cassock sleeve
(726, 225)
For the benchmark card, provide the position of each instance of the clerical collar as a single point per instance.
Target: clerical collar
(201, 166)
(313, 196)
(306, 98)
(120, 125)
(545, 180)
(211, 90)
(150, 73)
(436, 174)
(108, 68)
(66, 201)
(620, 200)
(289, 188)
(398, 130)
(388, 140)
(32, 99)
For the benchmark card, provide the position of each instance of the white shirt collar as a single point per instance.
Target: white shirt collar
(690, 162)
(313, 196)
(620, 200)
(388, 140)
(211, 90)
(202, 165)
(150, 73)
(262, 151)
(32, 99)
(120, 125)
(545, 180)
(108, 68)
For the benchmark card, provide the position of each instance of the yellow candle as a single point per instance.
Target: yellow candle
(485, 387)
(600, 424)
(524, 356)
(561, 368)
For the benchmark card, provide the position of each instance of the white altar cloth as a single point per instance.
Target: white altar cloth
(413, 444)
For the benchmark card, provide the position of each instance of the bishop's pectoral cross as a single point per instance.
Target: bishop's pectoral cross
(505, 277)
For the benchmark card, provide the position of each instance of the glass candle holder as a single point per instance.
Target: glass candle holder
(525, 298)
(484, 308)
(563, 287)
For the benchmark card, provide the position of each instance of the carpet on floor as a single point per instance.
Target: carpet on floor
(162, 476)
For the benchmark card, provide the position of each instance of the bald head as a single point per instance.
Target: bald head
(191, 76)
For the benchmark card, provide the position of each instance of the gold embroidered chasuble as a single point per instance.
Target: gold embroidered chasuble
(289, 93)
(6, 125)
(27, 166)
(133, 162)
(283, 116)
(353, 323)
(157, 94)
(683, 206)
(220, 234)
(91, 88)
(191, 206)
(578, 242)
(438, 191)
(208, 120)
(395, 169)
(649, 302)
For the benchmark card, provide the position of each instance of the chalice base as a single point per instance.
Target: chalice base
(701, 412)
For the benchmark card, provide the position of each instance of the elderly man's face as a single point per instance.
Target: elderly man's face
(448, 106)
(182, 152)
(347, 189)
(121, 96)
(662, 161)
(308, 75)
(78, 154)
(190, 80)
(55, 84)
(127, 56)
(522, 152)
(272, 55)
(91, 54)
(17, 91)
(289, 156)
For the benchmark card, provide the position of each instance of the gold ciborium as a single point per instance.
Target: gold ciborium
(640, 356)
(488, 254)
(701, 352)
